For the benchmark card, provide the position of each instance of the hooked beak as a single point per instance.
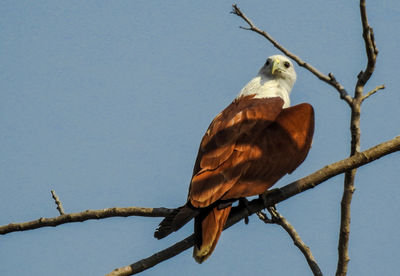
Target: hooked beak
(275, 66)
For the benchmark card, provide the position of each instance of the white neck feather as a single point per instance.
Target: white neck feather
(264, 87)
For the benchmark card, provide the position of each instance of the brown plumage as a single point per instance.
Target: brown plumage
(247, 148)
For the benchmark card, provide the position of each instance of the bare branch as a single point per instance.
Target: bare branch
(271, 198)
(373, 91)
(58, 202)
(277, 218)
(348, 190)
(329, 79)
(345, 216)
(363, 77)
(285, 192)
(370, 47)
(154, 259)
(83, 216)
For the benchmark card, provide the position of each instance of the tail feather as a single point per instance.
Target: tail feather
(207, 231)
(174, 221)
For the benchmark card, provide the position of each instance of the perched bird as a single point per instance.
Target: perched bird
(248, 147)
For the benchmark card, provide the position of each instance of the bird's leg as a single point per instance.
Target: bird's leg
(245, 203)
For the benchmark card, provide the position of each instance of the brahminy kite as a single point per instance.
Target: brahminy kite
(248, 147)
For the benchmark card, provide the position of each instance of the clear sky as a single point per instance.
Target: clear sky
(106, 102)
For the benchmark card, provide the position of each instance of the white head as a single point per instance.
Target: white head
(281, 69)
(275, 79)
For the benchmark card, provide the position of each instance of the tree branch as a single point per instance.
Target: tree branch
(355, 130)
(154, 259)
(285, 192)
(83, 216)
(277, 218)
(329, 79)
(348, 190)
(271, 198)
(373, 91)
(370, 46)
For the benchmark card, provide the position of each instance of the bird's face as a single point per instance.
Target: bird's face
(279, 67)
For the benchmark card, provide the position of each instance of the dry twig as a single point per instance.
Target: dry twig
(58, 202)
(373, 91)
(277, 218)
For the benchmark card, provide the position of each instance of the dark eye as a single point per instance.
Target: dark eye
(286, 64)
(267, 62)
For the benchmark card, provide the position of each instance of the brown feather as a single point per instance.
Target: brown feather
(235, 130)
(208, 230)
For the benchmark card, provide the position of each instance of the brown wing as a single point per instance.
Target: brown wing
(284, 145)
(229, 147)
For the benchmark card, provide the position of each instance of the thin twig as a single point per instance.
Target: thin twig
(277, 218)
(58, 202)
(373, 91)
(270, 199)
(329, 79)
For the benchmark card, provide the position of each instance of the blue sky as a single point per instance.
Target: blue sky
(106, 102)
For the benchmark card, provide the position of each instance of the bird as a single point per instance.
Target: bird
(248, 147)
